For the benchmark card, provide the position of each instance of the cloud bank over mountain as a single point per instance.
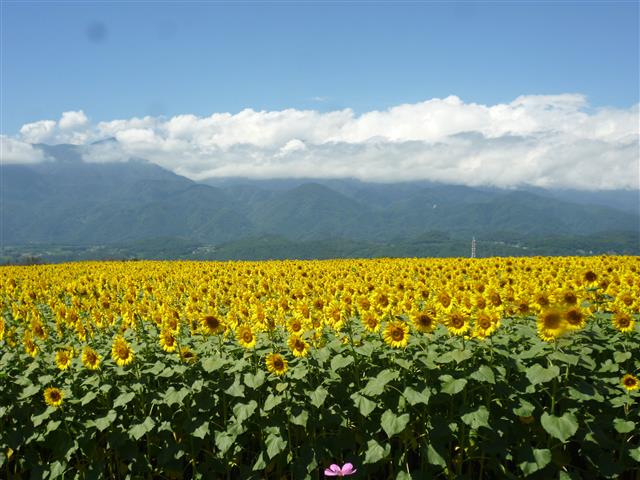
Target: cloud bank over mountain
(541, 140)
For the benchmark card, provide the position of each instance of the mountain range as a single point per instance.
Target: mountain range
(66, 201)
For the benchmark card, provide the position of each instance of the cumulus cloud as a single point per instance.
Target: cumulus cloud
(37, 132)
(72, 119)
(18, 152)
(542, 140)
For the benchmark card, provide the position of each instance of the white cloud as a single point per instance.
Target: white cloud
(15, 151)
(545, 140)
(37, 132)
(72, 119)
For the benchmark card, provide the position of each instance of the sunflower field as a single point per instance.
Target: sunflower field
(403, 368)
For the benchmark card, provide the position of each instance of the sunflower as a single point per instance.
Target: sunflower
(38, 330)
(296, 325)
(1, 329)
(630, 382)
(121, 351)
(168, 340)
(396, 334)
(589, 277)
(187, 356)
(364, 303)
(568, 296)
(245, 336)
(170, 323)
(457, 323)
(494, 298)
(575, 318)
(64, 357)
(298, 346)
(211, 325)
(53, 397)
(424, 321)
(370, 321)
(523, 305)
(29, 345)
(90, 358)
(444, 299)
(551, 325)
(485, 324)
(382, 301)
(623, 321)
(541, 300)
(276, 364)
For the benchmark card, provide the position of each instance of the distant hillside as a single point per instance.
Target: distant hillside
(68, 202)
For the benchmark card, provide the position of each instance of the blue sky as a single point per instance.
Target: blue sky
(119, 60)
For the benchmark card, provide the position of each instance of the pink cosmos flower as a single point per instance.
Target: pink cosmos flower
(335, 470)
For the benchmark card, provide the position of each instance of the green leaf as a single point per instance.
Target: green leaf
(376, 452)
(235, 390)
(375, 386)
(406, 364)
(90, 396)
(38, 419)
(567, 358)
(635, 454)
(538, 374)
(103, 422)
(402, 475)
(53, 425)
(123, 399)
(414, 397)
(393, 424)
(624, 426)
(366, 349)
(139, 430)
(275, 444)
(272, 401)
(260, 464)
(525, 409)
(224, 441)
(300, 418)
(434, 457)
(609, 367)
(484, 374)
(477, 419)
(298, 372)
(167, 373)
(562, 428)
(56, 470)
(363, 404)
(317, 396)
(156, 368)
(211, 364)
(45, 379)
(452, 385)
(29, 391)
(457, 355)
(254, 380)
(242, 411)
(621, 357)
(539, 459)
(202, 430)
(339, 362)
(175, 397)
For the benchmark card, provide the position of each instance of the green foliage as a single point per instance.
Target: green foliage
(508, 406)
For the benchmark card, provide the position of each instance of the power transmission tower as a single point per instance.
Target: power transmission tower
(473, 247)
